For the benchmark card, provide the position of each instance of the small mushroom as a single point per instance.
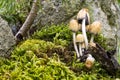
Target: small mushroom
(83, 14)
(89, 61)
(87, 27)
(73, 26)
(94, 28)
(83, 18)
(80, 40)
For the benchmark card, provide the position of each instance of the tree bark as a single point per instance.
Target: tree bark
(27, 24)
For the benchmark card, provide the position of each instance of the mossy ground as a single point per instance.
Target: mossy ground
(49, 55)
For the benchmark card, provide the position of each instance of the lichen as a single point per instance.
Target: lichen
(105, 6)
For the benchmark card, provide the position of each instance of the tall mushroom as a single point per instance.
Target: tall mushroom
(94, 28)
(73, 26)
(83, 18)
(89, 61)
(80, 40)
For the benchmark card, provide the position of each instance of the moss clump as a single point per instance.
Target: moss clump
(25, 63)
(59, 34)
(34, 45)
(36, 59)
(35, 69)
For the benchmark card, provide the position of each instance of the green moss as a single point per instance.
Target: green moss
(39, 47)
(37, 59)
(100, 39)
(35, 70)
(59, 34)
(25, 64)
(34, 45)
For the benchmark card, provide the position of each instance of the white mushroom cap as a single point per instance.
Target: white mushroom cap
(90, 58)
(73, 25)
(117, 79)
(82, 14)
(95, 27)
(89, 61)
(80, 38)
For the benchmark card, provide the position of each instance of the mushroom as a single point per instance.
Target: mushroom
(94, 28)
(87, 27)
(80, 40)
(73, 26)
(89, 61)
(83, 18)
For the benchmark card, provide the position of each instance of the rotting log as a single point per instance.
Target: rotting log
(105, 58)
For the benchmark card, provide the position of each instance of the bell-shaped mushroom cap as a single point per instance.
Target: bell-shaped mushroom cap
(83, 13)
(80, 38)
(89, 61)
(87, 27)
(95, 27)
(73, 25)
(90, 58)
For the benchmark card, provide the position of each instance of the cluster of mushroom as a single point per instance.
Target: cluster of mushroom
(82, 23)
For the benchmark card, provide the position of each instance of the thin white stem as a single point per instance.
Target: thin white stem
(75, 45)
(80, 50)
(82, 47)
(84, 33)
(92, 38)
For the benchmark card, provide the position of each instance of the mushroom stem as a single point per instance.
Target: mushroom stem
(84, 33)
(75, 45)
(80, 49)
(92, 38)
(83, 47)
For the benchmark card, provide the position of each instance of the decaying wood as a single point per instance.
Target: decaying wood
(105, 58)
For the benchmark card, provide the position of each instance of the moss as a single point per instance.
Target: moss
(36, 70)
(36, 59)
(100, 39)
(26, 64)
(39, 47)
(59, 34)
